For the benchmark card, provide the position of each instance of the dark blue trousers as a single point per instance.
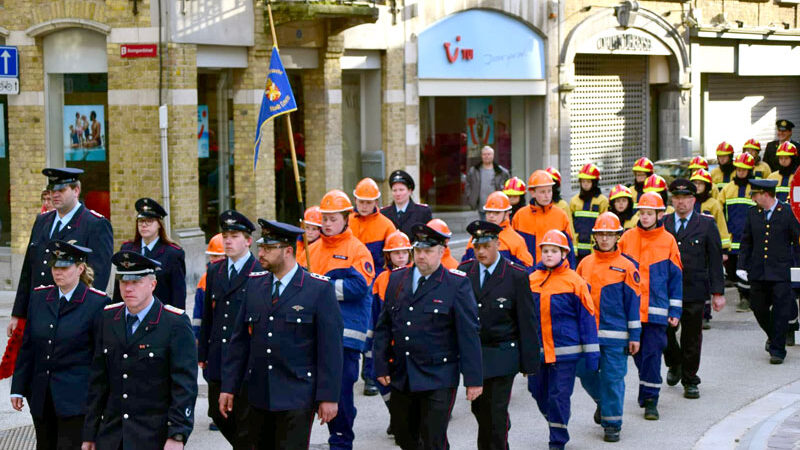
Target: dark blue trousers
(341, 427)
(648, 360)
(552, 388)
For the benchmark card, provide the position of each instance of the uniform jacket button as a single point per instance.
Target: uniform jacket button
(124, 395)
(224, 341)
(124, 416)
(125, 376)
(125, 356)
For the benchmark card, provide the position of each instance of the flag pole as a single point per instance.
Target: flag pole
(291, 146)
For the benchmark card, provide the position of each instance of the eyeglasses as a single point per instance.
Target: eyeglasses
(272, 247)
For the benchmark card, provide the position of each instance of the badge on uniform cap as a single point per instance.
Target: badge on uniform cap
(783, 123)
(230, 221)
(297, 308)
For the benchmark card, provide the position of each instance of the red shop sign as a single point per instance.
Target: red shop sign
(138, 50)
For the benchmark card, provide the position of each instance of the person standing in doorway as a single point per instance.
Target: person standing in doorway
(483, 179)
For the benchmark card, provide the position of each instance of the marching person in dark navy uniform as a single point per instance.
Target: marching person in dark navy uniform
(143, 382)
(287, 346)
(225, 292)
(426, 334)
(509, 330)
(52, 368)
(403, 212)
(701, 254)
(770, 234)
(69, 221)
(151, 240)
(783, 129)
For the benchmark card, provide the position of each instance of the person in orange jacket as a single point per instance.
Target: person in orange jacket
(512, 246)
(661, 284)
(339, 255)
(568, 332)
(371, 228)
(215, 252)
(397, 248)
(541, 216)
(614, 284)
(368, 224)
(441, 226)
(312, 223)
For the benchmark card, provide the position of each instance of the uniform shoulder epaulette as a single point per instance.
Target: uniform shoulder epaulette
(173, 309)
(127, 242)
(97, 214)
(386, 208)
(114, 306)
(175, 246)
(319, 277)
(98, 291)
(258, 274)
(516, 266)
(399, 268)
(458, 272)
(42, 287)
(423, 204)
(466, 261)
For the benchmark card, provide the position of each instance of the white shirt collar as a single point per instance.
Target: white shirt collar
(771, 210)
(151, 245)
(688, 218)
(239, 263)
(404, 208)
(143, 313)
(491, 268)
(68, 295)
(286, 279)
(67, 217)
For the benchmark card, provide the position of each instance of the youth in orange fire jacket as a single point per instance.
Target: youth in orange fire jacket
(512, 247)
(533, 221)
(372, 230)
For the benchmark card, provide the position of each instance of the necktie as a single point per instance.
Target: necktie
(131, 321)
(276, 292)
(233, 273)
(146, 252)
(400, 216)
(484, 275)
(419, 283)
(57, 228)
(62, 302)
(682, 226)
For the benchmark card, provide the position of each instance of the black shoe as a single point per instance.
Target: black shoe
(775, 360)
(213, 427)
(389, 430)
(650, 410)
(691, 391)
(370, 389)
(673, 375)
(611, 434)
(706, 324)
(790, 338)
(597, 415)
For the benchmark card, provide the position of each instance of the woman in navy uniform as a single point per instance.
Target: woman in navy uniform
(509, 331)
(52, 369)
(287, 346)
(403, 212)
(143, 382)
(151, 240)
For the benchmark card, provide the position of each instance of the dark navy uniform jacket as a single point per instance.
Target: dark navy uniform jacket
(509, 323)
(57, 349)
(289, 353)
(171, 286)
(767, 246)
(87, 228)
(142, 391)
(701, 255)
(415, 213)
(220, 308)
(424, 339)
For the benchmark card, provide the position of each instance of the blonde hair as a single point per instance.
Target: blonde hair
(87, 276)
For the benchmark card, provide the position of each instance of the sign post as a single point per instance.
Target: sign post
(794, 202)
(9, 70)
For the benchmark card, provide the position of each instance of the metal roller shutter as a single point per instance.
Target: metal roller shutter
(608, 115)
(736, 108)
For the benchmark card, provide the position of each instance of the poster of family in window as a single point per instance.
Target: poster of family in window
(84, 133)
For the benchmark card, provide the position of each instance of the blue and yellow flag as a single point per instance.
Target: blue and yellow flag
(278, 97)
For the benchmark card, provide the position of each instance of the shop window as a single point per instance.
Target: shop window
(453, 130)
(214, 149)
(286, 205)
(5, 176)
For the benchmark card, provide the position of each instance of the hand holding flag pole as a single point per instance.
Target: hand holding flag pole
(277, 100)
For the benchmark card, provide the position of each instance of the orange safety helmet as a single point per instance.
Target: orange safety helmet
(215, 246)
(752, 144)
(724, 149)
(702, 175)
(745, 161)
(643, 164)
(786, 149)
(440, 226)
(655, 183)
(556, 238)
(589, 172)
(619, 191)
(396, 240)
(698, 162)
(607, 222)
(313, 217)
(539, 178)
(497, 201)
(335, 201)
(514, 186)
(554, 173)
(367, 189)
(651, 200)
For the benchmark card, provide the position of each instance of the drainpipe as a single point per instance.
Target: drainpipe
(162, 125)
